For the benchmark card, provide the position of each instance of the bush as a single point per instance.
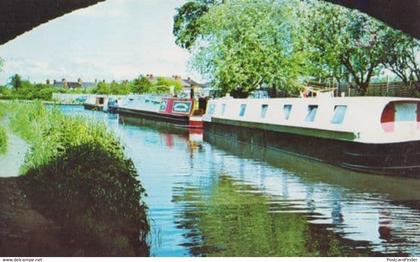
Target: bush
(77, 174)
(96, 195)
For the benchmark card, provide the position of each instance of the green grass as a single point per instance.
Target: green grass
(3, 141)
(50, 133)
(79, 168)
(3, 134)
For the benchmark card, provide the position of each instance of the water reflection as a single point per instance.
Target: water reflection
(236, 219)
(361, 207)
(220, 197)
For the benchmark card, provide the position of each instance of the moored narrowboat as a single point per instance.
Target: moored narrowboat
(96, 102)
(113, 103)
(178, 111)
(378, 135)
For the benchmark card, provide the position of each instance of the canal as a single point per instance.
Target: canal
(213, 197)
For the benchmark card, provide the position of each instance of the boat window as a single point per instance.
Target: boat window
(211, 109)
(181, 107)
(242, 110)
(264, 109)
(310, 117)
(399, 111)
(163, 105)
(339, 113)
(287, 109)
(223, 109)
(405, 112)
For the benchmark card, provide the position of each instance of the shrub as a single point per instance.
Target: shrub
(95, 195)
(77, 174)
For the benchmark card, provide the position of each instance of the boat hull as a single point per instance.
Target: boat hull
(402, 159)
(182, 120)
(93, 107)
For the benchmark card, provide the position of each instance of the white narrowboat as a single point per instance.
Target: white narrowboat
(370, 134)
(96, 102)
(107, 103)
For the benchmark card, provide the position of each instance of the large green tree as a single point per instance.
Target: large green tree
(402, 57)
(245, 44)
(343, 42)
(186, 27)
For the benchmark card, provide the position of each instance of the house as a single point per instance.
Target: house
(188, 84)
(72, 85)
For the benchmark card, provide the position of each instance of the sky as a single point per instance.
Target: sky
(113, 40)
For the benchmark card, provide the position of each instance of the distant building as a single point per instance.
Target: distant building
(188, 84)
(72, 85)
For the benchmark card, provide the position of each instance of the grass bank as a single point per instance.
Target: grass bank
(3, 141)
(76, 174)
(3, 135)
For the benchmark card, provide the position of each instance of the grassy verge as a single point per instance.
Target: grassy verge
(76, 174)
(3, 141)
(3, 135)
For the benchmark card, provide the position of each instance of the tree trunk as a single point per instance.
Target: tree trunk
(273, 91)
(363, 87)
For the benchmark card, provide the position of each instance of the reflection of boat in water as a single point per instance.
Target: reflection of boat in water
(178, 111)
(328, 195)
(372, 134)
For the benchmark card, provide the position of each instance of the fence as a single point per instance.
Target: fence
(399, 89)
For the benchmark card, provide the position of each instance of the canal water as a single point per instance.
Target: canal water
(214, 197)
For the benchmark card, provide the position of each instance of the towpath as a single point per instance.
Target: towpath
(11, 162)
(23, 230)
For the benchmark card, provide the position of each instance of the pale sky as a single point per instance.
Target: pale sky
(117, 39)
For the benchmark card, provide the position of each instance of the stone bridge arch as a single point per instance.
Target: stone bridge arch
(20, 16)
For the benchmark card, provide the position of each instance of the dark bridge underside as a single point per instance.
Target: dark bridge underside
(399, 14)
(19, 16)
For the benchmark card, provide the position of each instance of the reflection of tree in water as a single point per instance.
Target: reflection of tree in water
(236, 220)
(336, 212)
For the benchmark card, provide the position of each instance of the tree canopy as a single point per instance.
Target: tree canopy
(186, 22)
(403, 57)
(344, 42)
(243, 44)
(246, 44)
